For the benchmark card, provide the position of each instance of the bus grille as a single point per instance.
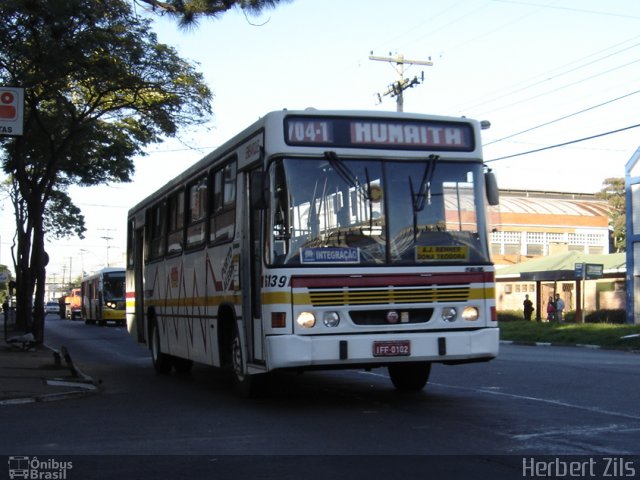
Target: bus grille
(391, 296)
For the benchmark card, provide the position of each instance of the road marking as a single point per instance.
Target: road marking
(560, 403)
(617, 428)
(495, 391)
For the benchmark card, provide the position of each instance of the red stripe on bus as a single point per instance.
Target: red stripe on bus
(387, 280)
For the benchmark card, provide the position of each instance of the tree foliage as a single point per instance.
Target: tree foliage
(613, 191)
(98, 89)
(188, 12)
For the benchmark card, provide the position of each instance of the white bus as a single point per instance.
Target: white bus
(103, 296)
(320, 240)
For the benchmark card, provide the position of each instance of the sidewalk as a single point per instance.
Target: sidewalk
(39, 374)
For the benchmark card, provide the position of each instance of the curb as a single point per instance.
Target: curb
(83, 383)
(49, 397)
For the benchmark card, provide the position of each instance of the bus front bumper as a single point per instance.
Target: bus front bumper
(332, 351)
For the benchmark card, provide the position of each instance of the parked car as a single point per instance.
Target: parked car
(52, 307)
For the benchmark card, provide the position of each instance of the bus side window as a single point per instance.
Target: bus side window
(131, 226)
(157, 228)
(223, 204)
(196, 211)
(176, 222)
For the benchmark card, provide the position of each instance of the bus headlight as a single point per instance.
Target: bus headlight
(470, 313)
(306, 320)
(331, 319)
(449, 314)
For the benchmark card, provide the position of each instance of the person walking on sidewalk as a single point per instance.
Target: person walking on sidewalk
(559, 307)
(551, 310)
(527, 307)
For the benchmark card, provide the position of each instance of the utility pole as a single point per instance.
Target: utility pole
(107, 238)
(396, 88)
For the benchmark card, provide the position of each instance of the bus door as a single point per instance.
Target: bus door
(252, 274)
(138, 269)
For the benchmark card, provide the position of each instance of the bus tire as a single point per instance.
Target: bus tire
(250, 386)
(162, 362)
(409, 377)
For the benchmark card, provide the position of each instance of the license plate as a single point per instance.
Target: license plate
(392, 348)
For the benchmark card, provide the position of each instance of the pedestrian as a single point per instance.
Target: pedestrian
(551, 310)
(559, 307)
(528, 308)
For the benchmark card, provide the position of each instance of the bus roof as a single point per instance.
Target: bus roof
(102, 271)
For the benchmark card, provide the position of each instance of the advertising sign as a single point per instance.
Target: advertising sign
(11, 110)
(593, 270)
(589, 271)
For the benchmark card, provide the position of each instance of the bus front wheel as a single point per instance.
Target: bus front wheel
(161, 361)
(247, 385)
(409, 377)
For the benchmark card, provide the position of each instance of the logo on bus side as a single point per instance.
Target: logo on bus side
(228, 269)
(252, 149)
(175, 276)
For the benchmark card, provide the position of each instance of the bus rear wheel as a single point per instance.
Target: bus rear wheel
(409, 377)
(161, 361)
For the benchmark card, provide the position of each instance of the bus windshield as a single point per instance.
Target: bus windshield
(334, 211)
(113, 286)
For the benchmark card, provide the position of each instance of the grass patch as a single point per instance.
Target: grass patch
(605, 335)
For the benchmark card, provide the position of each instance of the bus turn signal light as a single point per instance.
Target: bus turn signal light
(278, 319)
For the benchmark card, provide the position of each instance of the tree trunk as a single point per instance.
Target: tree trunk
(30, 262)
(39, 260)
(24, 282)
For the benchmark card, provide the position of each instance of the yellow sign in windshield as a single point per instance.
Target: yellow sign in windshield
(441, 253)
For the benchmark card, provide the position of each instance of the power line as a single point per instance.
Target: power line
(563, 144)
(570, 9)
(562, 118)
(561, 87)
(546, 78)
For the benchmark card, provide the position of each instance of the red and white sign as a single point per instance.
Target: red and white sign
(11, 110)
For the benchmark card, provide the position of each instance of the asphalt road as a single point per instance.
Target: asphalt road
(530, 402)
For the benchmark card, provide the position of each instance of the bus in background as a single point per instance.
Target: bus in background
(320, 240)
(103, 296)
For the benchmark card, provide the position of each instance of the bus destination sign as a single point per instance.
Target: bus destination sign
(378, 133)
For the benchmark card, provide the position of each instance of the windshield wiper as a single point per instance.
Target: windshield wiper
(419, 200)
(347, 175)
(424, 194)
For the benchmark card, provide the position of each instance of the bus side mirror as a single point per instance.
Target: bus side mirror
(491, 187)
(259, 184)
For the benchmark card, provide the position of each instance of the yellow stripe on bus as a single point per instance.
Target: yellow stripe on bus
(337, 297)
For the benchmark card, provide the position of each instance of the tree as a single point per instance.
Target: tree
(613, 192)
(98, 89)
(189, 11)
(4, 282)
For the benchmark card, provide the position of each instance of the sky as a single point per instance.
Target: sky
(543, 73)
